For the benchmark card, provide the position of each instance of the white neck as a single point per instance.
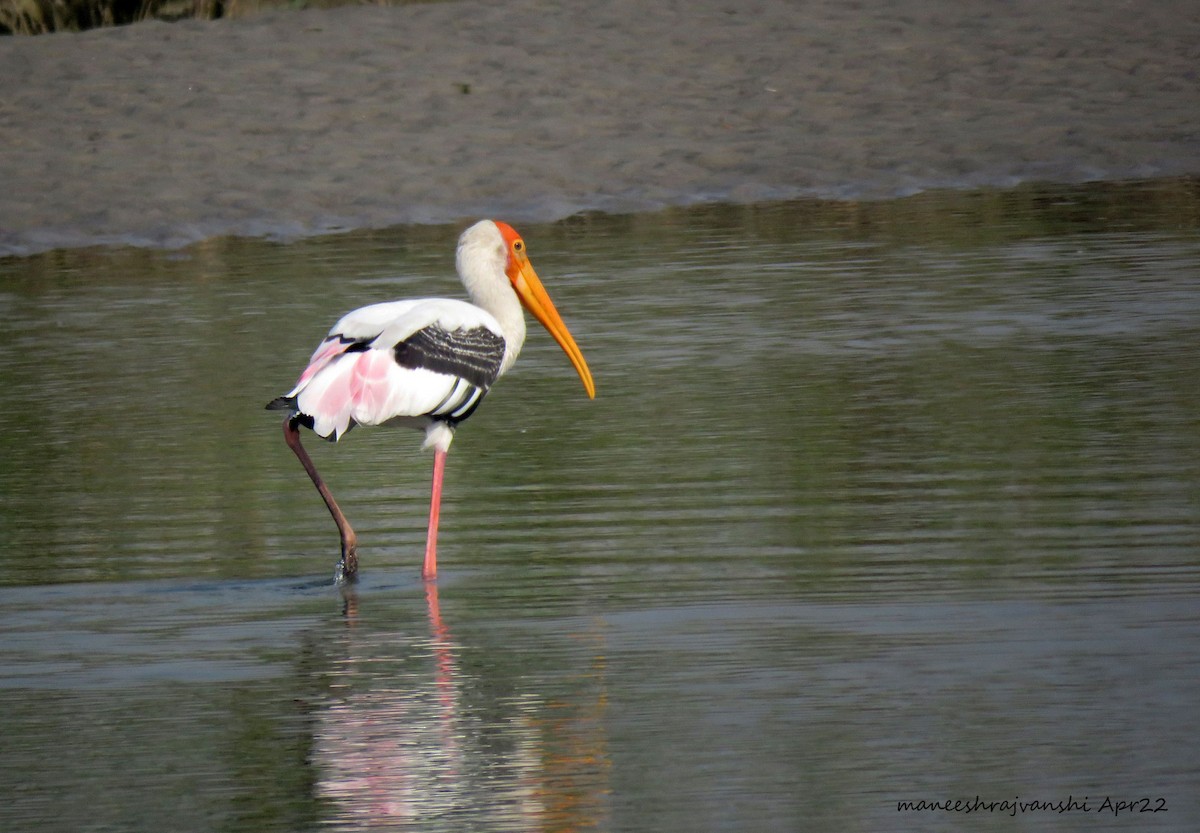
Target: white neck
(481, 260)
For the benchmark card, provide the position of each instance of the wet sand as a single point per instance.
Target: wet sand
(297, 123)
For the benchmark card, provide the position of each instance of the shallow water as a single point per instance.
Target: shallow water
(876, 502)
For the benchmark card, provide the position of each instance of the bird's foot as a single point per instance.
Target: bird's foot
(347, 566)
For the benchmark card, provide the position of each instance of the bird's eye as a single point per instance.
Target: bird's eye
(519, 246)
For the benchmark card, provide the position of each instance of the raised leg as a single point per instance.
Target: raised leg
(348, 566)
(429, 569)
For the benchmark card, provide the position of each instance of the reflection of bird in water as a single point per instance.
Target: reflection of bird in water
(424, 363)
(407, 740)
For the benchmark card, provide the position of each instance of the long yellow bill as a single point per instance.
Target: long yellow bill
(533, 295)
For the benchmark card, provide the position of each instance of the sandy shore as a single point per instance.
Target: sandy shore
(300, 122)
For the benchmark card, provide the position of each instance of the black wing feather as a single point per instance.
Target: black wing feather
(473, 355)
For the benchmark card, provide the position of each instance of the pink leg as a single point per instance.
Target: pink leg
(349, 563)
(429, 570)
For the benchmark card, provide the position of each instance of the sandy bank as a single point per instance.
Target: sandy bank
(300, 122)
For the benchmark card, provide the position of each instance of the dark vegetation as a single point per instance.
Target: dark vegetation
(37, 17)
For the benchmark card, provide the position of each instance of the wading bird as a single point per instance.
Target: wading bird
(424, 363)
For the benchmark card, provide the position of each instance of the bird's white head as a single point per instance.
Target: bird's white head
(491, 251)
(481, 252)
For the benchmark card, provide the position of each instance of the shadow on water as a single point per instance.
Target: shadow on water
(413, 730)
(876, 502)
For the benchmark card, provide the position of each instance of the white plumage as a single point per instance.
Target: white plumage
(340, 389)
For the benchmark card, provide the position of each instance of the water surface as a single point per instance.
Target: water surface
(876, 502)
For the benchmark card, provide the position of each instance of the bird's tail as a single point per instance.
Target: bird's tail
(282, 403)
(288, 403)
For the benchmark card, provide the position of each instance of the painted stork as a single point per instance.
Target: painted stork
(425, 363)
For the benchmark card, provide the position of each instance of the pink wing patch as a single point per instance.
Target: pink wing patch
(353, 387)
(369, 391)
(330, 349)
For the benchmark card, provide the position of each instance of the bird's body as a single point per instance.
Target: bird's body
(424, 363)
(416, 363)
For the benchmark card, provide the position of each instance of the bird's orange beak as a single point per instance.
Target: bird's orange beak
(533, 295)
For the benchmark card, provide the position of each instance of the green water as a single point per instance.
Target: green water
(876, 502)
